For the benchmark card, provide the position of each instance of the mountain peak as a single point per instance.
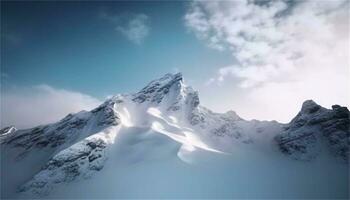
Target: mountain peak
(232, 115)
(167, 79)
(306, 133)
(309, 106)
(171, 77)
(157, 89)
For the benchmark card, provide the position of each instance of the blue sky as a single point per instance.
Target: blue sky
(261, 60)
(71, 45)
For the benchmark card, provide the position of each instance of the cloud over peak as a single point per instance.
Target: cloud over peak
(284, 51)
(134, 26)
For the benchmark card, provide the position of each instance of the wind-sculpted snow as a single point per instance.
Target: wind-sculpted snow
(173, 98)
(133, 144)
(317, 130)
(182, 135)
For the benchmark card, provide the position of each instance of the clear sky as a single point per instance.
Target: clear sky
(260, 59)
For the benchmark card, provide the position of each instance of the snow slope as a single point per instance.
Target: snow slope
(161, 143)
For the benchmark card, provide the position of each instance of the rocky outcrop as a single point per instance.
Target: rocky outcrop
(170, 92)
(78, 161)
(108, 116)
(7, 131)
(315, 127)
(156, 90)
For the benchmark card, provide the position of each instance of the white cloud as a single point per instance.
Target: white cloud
(32, 106)
(135, 27)
(285, 52)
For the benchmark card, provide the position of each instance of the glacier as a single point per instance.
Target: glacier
(161, 142)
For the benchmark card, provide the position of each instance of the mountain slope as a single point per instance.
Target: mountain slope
(25, 152)
(316, 129)
(133, 143)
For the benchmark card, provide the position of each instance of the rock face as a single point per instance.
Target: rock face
(76, 162)
(156, 90)
(313, 129)
(7, 130)
(168, 92)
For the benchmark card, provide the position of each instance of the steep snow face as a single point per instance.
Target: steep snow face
(179, 104)
(24, 152)
(317, 130)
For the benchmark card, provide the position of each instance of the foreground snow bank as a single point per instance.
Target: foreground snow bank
(144, 164)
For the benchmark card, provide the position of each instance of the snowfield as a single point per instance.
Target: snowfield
(161, 143)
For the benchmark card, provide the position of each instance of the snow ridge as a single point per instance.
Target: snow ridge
(163, 122)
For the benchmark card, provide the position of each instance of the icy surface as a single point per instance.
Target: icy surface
(161, 143)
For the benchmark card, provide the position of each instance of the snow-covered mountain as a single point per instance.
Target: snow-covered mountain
(160, 142)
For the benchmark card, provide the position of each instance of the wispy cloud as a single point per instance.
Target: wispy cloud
(284, 48)
(32, 106)
(273, 38)
(135, 27)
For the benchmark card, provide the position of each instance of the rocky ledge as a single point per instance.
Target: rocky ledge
(315, 127)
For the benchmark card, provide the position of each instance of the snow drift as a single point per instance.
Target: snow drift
(161, 143)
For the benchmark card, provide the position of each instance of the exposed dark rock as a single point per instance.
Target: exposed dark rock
(7, 130)
(96, 144)
(75, 162)
(71, 171)
(196, 118)
(67, 118)
(309, 106)
(43, 143)
(96, 167)
(228, 129)
(109, 117)
(157, 89)
(55, 135)
(340, 112)
(93, 157)
(314, 123)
